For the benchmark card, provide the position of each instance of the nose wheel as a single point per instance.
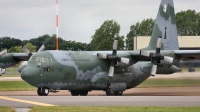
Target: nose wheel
(43, 91)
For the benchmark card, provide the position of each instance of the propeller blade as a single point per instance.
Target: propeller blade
(103, 56)
(125, 60)
(41, 48)
(153, 70)
(168, 59)
(115, 44)
(111, 71)
(144, 53)
(3, 52)
(159, 42)
(25, 49)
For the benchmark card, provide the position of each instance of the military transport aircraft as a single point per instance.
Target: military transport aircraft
(110, 71)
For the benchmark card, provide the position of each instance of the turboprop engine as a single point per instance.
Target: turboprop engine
(162, 68)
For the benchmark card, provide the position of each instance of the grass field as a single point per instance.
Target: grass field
(105, 109)
(149, 83)
(10, 75)
(15, 86)
(6, 109)
(114, 109)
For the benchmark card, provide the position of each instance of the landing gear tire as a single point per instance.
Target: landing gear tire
(118, 93)
(39, 92)
(109, 93)
(45, 91)
(83, 93)
(75, 93)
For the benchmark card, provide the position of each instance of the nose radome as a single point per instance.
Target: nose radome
(30, 75)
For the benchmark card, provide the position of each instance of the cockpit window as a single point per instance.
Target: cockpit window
(38, 59)
(33, 58)
(44, 59)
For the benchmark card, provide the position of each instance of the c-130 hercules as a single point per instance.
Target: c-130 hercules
(110, 71)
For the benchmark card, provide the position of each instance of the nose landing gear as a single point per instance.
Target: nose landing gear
(43, 91)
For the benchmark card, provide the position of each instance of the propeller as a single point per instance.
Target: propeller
(41, 48)
(3, 52)
(26, 50)
(156, 57)
(113, 57)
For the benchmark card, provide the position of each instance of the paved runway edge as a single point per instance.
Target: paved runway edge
(25, 101)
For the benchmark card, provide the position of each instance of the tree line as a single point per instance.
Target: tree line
(188, 24)
(15, 45)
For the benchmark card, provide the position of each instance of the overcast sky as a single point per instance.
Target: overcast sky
(78, 19)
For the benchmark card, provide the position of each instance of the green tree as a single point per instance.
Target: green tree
(31, 47)
(17, 49)
(50, 42)
(39, 41)
(188, 22)
(144, 28)
(104, 36)
(7, 42)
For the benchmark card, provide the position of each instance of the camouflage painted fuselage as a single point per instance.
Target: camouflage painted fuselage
(82, 70)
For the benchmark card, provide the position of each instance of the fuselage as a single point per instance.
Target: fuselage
(79, 70)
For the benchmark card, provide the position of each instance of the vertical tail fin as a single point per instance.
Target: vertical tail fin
(165, 26)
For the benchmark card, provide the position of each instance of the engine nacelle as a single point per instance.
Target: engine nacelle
(7, 60)
(161, 69)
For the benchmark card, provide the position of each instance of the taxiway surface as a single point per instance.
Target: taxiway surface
(27, 101)
(181, 96)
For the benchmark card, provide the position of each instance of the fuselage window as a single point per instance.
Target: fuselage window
(38, 59)
(46, 69)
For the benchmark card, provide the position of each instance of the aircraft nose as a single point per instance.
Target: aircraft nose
(30, 75)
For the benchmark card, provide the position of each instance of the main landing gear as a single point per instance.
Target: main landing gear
(116, 93)
(43, 91)
(79, 92)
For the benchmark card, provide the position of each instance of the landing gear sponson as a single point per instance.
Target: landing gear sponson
(115, 89)
(115, 93)
(79, 92)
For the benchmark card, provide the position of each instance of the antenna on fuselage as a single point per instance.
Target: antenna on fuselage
(56, 24)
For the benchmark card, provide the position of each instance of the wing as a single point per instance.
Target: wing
(187, 55)
(21, 56)
(184, 55)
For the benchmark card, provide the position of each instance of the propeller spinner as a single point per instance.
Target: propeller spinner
(113, 57)
(156, 57)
